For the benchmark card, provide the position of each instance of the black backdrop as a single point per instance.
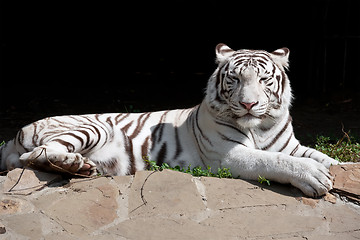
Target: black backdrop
(100, 54)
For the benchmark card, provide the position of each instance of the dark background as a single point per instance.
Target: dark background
(71, 58)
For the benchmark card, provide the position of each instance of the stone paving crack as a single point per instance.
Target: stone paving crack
(142, 192)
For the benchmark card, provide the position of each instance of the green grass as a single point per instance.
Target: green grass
(263, 180)
(346, 149)
(196, 171)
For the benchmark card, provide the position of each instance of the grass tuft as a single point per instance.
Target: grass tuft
(262, 180)
(196, 171)
(347, 149)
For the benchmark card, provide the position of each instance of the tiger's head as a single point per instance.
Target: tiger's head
(249, 87)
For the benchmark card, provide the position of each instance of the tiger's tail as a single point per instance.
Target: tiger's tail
(9, 157)
(2, 147)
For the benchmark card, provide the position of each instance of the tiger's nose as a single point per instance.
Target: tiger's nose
(249, 106)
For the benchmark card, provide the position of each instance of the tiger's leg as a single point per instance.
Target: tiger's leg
(306, 152)
(310, 176)
(53, 156)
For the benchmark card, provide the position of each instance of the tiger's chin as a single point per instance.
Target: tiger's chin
(248, 121)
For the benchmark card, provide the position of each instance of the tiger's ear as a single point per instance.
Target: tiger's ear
(223, 52)
(281, 57)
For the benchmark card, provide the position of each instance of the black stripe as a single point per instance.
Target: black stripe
(145, 147)
(218, 77)
(70, 147)
(89, 141)
(219, 83)
(161, 155)
(132, 158)
(263, 66)
(87, 135)
(303, 155)
(96, 126)
(198, 127)
(311, 153)
(156, 135)
(261, 62)
(130, 152)
(229, 139)
(232, 127)
(98, 135)
(127, 126)
(286, 143)
(196, 138)
(108, 166)
(121, 117)
(283, 81)
(179, 148)
(277, 93)
(295, 150)
(76, 136)
(273, 71)
(108, 120)
(35, 136)
(20, 140)
(252, 54)
(278, 135)
(140, 125)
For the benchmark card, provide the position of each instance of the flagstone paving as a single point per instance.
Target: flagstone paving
(171, 205)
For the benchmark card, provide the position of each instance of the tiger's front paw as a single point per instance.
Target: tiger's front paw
(328, 161)
(312, 178)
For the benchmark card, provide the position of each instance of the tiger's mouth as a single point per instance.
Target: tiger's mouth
(249, 120)
(249, 116)
(247, 113)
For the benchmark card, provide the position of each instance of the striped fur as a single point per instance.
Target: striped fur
(243, 124)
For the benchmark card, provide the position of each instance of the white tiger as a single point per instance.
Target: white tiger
(242, 124)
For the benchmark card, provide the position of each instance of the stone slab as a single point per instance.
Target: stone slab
(347, 181)
(26, 181)
(167, 205)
